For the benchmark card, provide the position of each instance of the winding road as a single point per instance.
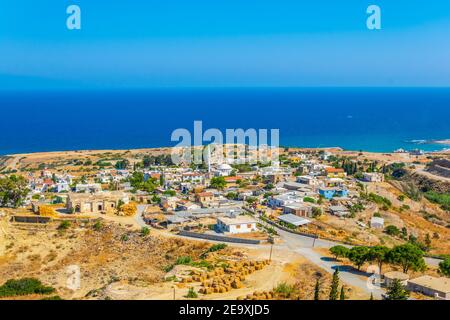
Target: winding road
(304, 246)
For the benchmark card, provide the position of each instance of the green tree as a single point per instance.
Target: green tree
(397, 292)
(358, 256)
(379, 254)
(392, 230)
(13, 190)
(334, 286)
(339, 252)
(316, 212)
(408, 256)
(231, 195)
(342, 294)
(371, 296)
(122, 164)
(138, 182)
(444, 267)
(218, 183)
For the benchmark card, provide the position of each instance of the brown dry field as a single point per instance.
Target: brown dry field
(114, 268)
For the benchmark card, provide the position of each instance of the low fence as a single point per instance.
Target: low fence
(44, 220)
(213, 237)
(31, 219)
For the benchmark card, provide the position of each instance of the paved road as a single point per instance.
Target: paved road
(304, 245)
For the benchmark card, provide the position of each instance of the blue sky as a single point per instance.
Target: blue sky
(183, 43)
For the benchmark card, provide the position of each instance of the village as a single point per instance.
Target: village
(326, 205)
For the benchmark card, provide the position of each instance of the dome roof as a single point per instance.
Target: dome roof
(225, 166)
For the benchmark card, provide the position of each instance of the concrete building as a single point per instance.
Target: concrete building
(239, 224)
(206, 199)
(373, 177)
(431, 286)
(339, 211)
(88, 187)
(335, 172)
(293, 220)
(309, 180)
(298, 209)
(101, 202)
(329, 193)
(377, 223)
(389, 278)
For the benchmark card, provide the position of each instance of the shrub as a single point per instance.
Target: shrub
(392, 230)
(98, 225)
(183, 260)
(284, 289)
(23, 287)
(444, 267)
(145, 231)
(217, 247)
(309, 199)
(64, 225)
(192, 294)
(443, 199)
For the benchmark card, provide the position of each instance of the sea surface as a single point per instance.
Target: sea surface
(375, 119)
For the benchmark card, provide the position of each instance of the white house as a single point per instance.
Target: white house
(309, 180)
(285, 199)
(239, 224)
(377, 223)
(90, 187)
(62, 186)
(373, 177)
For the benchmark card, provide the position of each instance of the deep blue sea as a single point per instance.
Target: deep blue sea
(376, 119)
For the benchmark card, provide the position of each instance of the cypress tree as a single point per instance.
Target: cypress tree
(317, 290)
(371, 296)
(397, 292)
(342, 295)
(334, 286)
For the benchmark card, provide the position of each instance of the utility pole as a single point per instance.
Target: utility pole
(271, 240)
